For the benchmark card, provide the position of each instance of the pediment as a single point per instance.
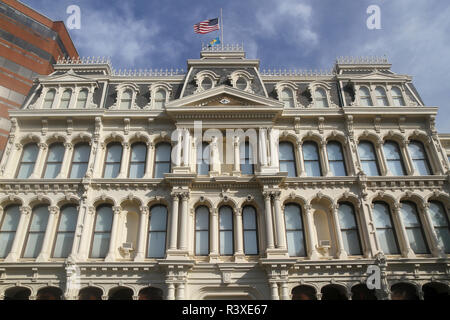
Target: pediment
(223, 97)
(379, 76)
(68, 77)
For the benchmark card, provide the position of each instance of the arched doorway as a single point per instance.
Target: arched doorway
(151, 293)
(17, 293)
(90, 293)
(404, 291)
(361, 292)
(49, 293)
(333, 292)
(436, 291)
(304, 293)
(121, 293)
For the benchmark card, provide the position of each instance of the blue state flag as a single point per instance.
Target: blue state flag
(214, 42)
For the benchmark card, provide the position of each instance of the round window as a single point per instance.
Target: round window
(241, 83)
(207, 83)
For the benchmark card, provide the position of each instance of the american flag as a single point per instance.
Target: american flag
(207, 26)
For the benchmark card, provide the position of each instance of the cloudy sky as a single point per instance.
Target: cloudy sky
(307, 34)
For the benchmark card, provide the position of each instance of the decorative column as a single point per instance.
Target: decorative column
(214, 158)
(284, 291)
(269, 220)
(273, 140)
(186, 149)
(184, 221)
(16, 247)
(301, 164)
(436, 249)
(279, 221)
(174, 221)
(214, 226)
(274, 291)
(263, 147)
(382, 159)
(143, 227)
(180, 291)
(86, 233)
(66, 161)
(9, 152)
(170, 291)
(407, 252)
(125, 159)
(237, 165)
(177, 160)
(82, 212)
(341, 253)
(49, 232)
(311, 236)
(405, 155)
(112, 243)
(38, 166)
(324, 159)
(149, 160)
(368, 230)
(239, 234)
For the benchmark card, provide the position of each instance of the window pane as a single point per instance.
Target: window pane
(246, 168)
(351, 242)
(364, 97)
(370, 168)
(68, 220)
(34, 245)
(206, 83)
(422, 167)
(114, 153)
(381, 216)
(397, 97)
(368, 158)
(81, 153)
(111, 170)
(385, 231)
(292, 216)
(78, 170)
(347, 218)
(65, 99)
(39, 220)
(310, 151)
(82, 99)
(334, 151)
(250, 242)
(202, 218)
(138, 152)
(289, 167)
(30, 152)
(286, 151)
(201, 243)
(416, 240)
(49, 97)
(226, 218)
(158, 218)
(6, 241)
(52, 170)
(419, 157)
(203, 159)
(295, 243)
(321, 98)
(311, 159)
(437, 214)
(380, 93)
(11, 219)
(163, 151)
(157, 244)
(100, 245)
(312, 168)
(443, 235)
(393, 158)
(386, 238)
(202, 231)
(338, 168)
(226, 242)
(249, 218)
(63, 245)
(241, 83)
(137, 170)
(161, 168)
(104, 219)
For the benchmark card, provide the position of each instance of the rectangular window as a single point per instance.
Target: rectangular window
(8, 228)
(36, 232)
(80, 161)
(66, 232)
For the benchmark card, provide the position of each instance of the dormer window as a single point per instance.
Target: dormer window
(82, 99)
(49, 98)
(207, 83)
(364, 97)
(160, 99)
(320, 98)
(397, 97)
(65, 99)
(381, 97)
(241, 83)
(159, 95)
(242, 80)
(126, 99)
(287, 98)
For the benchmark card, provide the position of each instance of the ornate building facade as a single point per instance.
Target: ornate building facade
(224, 182)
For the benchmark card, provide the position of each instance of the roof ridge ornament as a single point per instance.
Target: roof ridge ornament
(363, 60)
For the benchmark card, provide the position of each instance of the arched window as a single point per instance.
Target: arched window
(203, 159)
(364, 97)
(241, 83)
(385, 229)
(397, 97)
(65, 232)
(336, 159)
(160, 99)
(102, 231)
(54, 160)
(65, 99)
(349, 229)
(80, 160)
(28, 160)
(226, 231)
(246, 155)
(320, 98)
(439, 219)
(287, 97)
(202, 231)
(112, 160)
(311, 159)
(207, 83)
(419, 158)
(413, 227)
(36, 232)
(126, 99)
(381, 97)
(8, 228)
(394, 158)
(250, 230)
(49, 99)
(162, 159)
(287, 159)
(294, 230)
(82, 99)
(138, 159)
(157, 232)
(369, 163)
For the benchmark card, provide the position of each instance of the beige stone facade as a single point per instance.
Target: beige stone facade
(315, 257)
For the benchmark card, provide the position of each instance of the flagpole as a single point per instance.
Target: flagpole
(221, 27)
